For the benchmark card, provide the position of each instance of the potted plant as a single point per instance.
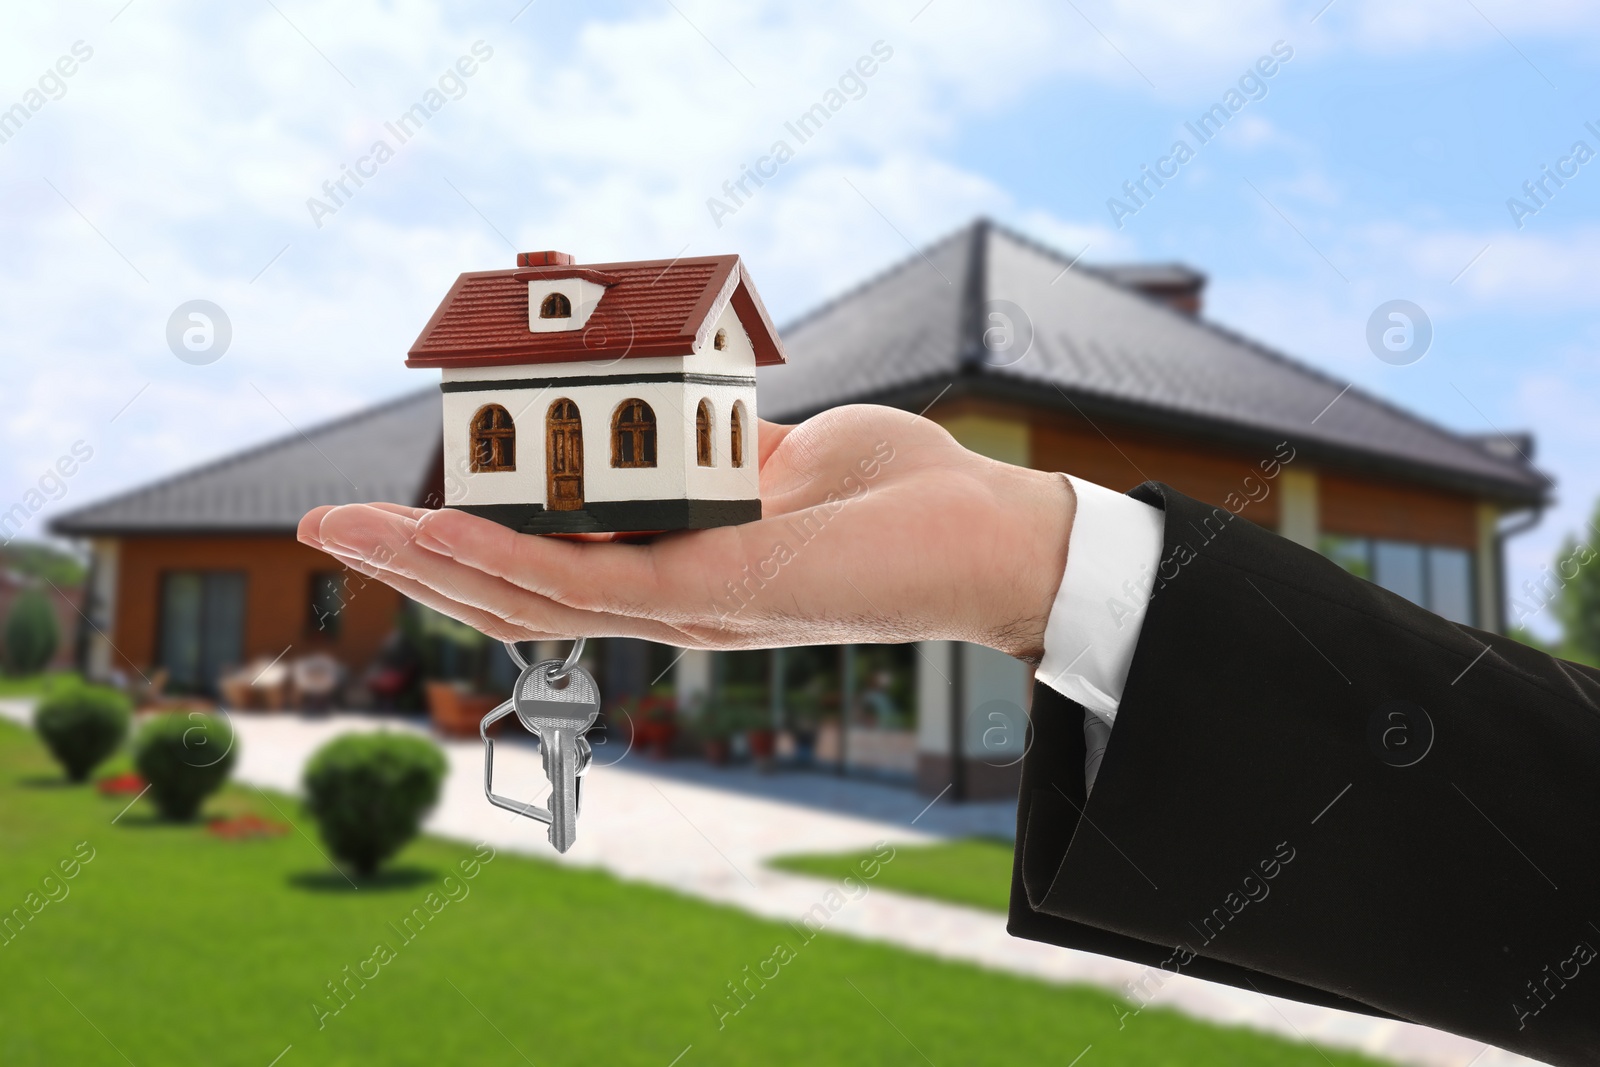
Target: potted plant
(455, 709)
(455, 667)
(718, 722)
(652, 721)
(760, 736)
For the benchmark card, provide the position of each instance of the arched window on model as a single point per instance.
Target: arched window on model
(720, 341)
(736, 432)
(633, 435)
(494, 440)
(555, 306)
(704, 451)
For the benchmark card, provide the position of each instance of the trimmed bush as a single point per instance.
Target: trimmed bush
(185, 756)
(369, 792)
(82, 725)
(31, 633)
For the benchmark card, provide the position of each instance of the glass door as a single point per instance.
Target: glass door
(202, 627)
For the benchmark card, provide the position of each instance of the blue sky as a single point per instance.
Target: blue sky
(178, 160)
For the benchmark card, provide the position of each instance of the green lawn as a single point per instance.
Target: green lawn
(172, 946)
(972, 870)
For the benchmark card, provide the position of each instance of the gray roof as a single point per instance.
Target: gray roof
(1102, 349)
(388, 452)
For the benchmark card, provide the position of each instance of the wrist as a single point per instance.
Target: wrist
(1036, 512)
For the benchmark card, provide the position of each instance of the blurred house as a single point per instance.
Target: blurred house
(1111, 373)
(201, 571)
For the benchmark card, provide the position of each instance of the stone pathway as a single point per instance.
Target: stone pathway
(708, 832)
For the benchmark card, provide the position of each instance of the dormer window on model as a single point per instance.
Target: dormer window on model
(561, 296)
(620, 396)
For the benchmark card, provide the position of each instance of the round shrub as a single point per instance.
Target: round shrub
(82, 725)
(369, 792)
(31, 633)
(185, 756)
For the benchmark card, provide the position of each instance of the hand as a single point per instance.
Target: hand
(877, 527)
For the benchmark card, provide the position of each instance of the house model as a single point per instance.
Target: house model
(613, 397)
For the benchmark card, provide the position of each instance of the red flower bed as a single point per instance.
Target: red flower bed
(244, 827)
(119, 785)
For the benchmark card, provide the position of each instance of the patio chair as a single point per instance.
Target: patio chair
(316, 680)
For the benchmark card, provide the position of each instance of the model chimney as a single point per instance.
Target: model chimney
(544, 259)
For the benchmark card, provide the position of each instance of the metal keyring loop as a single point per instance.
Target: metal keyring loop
(570, 662)
(560, 672)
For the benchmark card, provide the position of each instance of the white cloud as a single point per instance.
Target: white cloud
(193, 138)
(1381, 25)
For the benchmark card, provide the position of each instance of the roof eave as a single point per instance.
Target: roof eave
(124, 530)
(1534, 491)
(752, 313)
(501, 356)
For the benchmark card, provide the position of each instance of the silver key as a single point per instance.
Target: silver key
(560, 711)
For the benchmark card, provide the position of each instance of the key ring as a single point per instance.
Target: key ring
(557, 701)
(558, 673)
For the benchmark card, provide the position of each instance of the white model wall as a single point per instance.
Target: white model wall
(676, 474)
(528, 408)
(738, 355)
(722, 480)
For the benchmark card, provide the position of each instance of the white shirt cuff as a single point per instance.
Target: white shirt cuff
(1112, 555)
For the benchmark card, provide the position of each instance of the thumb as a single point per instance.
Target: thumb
(771, 436)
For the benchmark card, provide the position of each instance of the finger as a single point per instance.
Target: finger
(483, 622)
(613, 578)
(366, 531)
(403, 510)
(309, 529)
(474, 587)
(674, 580)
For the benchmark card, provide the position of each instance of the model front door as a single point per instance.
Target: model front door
(563, 457)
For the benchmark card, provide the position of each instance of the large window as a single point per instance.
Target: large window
(494, 440)
(1449, 578)
(327, 601)
(633, 435)
(201, 627)
(1437, 577)
(1398, 567)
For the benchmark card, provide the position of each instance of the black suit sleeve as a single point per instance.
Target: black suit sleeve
(1321, 791)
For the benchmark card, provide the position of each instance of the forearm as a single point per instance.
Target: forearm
(1257, 718)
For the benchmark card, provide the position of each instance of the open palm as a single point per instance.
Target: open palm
(876, 527)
